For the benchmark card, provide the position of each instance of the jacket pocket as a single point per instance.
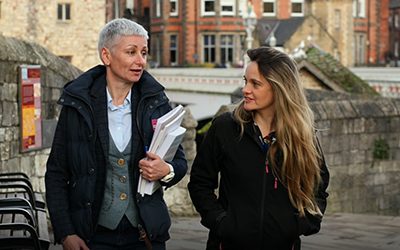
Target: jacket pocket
(155, 215)
(308, 224)
(82, 221)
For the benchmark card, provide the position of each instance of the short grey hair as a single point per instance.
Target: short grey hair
(116, 28)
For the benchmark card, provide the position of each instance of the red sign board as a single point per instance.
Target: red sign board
(31, 107)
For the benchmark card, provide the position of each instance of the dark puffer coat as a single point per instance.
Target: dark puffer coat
(76, 168)
(253, 209)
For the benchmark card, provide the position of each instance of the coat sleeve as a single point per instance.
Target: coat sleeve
(56, 181)
(204, 178)
(179, 163)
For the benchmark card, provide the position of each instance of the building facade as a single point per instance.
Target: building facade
(67, 28)
(208, 33)
(212, 32)
(185, 33)
(393, 57)
(371, 32)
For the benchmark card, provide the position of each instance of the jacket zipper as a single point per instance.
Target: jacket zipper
(264, 185)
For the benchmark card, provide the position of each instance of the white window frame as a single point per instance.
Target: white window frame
(302, 8)
(64, 13)
(228, 3)
(362, 8)
(158, 50)
(359, 8)
(269, 13)
(174, 13)
(337, 19)
(361, 55)
(360, 49)
(158, 8)
(203, 8)
(174, 49)
(130, 4)
(227, 47)
(209, 47)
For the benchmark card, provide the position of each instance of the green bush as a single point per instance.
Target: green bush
(381, 149)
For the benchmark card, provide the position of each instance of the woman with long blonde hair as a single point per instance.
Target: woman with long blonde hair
(273, 176)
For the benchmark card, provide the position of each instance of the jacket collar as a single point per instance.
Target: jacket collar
(84, 86)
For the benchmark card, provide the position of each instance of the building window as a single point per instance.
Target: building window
(227, 7)
(158, 49)
(130, 5)
(396, 50)
(269, 7)
(157, 10)
(359, 8)
(297, 7)
(361, 49)
(337, 19)
(173, 50)
(173, 10)
(396, 20)
(359, 52)
(207, 7)
(209, 48)
(64, 11)
(226, 49)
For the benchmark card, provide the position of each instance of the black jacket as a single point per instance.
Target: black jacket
(253, 210)
(76, 168)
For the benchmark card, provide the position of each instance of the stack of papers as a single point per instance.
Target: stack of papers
(167, 136)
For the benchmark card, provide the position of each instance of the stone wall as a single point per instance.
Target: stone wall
(55, 72)
(352, 128)
(177, 197)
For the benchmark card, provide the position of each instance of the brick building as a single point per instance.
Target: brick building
(394, 27)
(207, 32)
(184, 32)
(371, 32)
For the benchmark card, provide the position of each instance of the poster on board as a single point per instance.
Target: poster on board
(31, 107)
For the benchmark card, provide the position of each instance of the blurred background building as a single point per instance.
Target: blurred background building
(212, 33)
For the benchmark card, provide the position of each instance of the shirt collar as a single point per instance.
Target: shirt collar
(110, 100)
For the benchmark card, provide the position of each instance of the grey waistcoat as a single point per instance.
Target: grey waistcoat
(118, 198)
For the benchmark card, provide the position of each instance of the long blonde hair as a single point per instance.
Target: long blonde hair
(295, 130)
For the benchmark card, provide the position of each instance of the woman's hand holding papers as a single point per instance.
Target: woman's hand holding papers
(153, 168)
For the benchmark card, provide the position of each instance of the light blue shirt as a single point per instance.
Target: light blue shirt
(120, 121)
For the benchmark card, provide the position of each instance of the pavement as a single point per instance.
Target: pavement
(340, 231)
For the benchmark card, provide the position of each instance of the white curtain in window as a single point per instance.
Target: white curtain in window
(362, 6)
(227, 7)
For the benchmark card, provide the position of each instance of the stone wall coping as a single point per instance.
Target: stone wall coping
(13, 49)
